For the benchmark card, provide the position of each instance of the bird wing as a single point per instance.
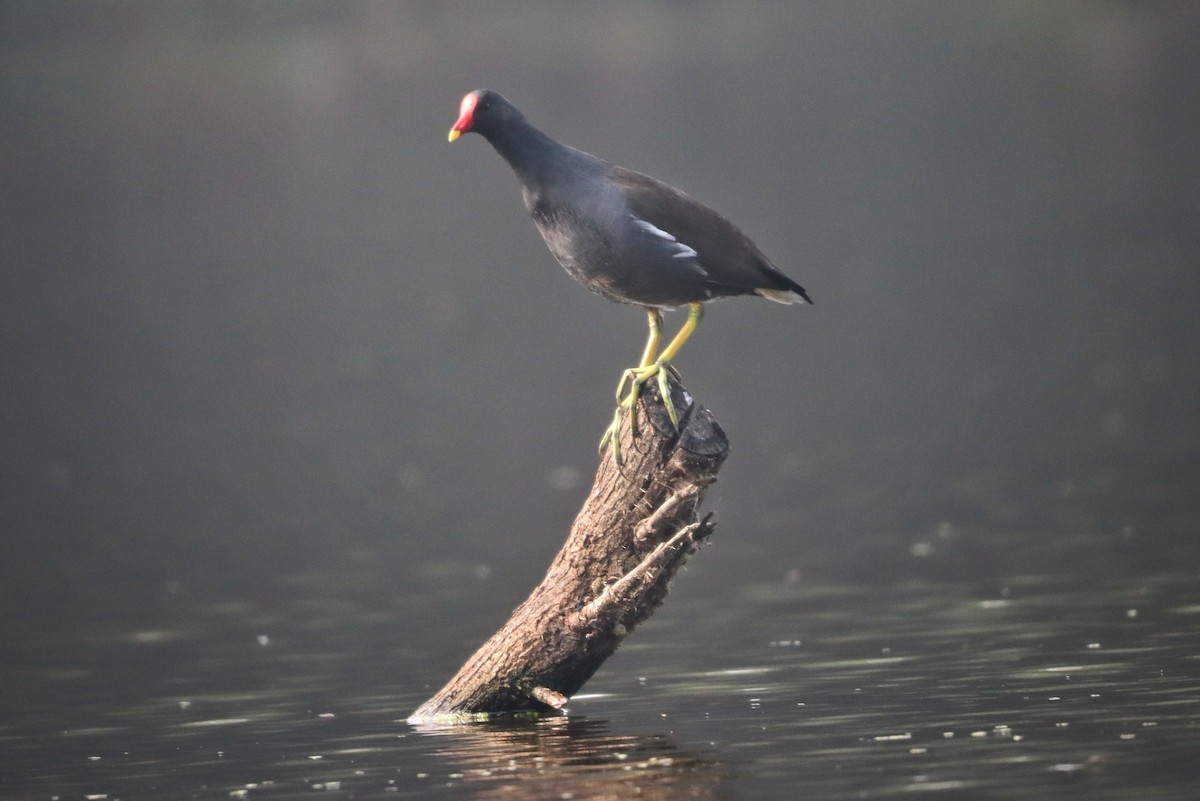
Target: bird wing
(733, 264)
(672, 247)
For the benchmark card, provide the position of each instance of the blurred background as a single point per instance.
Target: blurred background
(295, 406)
(259, 318)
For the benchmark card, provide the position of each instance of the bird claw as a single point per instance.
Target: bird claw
(613, 435)
(664, 391)
(635, 377)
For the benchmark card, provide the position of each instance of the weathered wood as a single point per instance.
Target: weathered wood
(637, 527)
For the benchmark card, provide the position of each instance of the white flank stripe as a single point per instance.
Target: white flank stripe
(652, 229)
(682, 251)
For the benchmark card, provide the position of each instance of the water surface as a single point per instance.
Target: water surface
(1047, 686)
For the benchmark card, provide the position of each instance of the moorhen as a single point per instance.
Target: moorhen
(626, 236)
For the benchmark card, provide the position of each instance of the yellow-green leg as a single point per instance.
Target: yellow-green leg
(611, 434)
(649, 367)
(654, 317)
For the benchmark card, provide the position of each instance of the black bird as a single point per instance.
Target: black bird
(626, 236)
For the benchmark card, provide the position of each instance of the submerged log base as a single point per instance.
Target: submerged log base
(637, 527)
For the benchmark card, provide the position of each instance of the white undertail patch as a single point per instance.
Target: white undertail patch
(784, 296)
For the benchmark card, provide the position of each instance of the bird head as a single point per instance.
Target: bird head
(482, 112)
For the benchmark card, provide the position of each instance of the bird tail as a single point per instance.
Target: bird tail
(784, 296)
(788, 294)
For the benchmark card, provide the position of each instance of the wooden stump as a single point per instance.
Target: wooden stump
(637, 527)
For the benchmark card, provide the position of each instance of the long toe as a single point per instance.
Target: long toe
(612, 437)
(664, 391)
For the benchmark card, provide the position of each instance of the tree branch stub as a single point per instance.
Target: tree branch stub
(637, 527)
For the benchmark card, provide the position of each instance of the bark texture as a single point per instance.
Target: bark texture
(637, 527)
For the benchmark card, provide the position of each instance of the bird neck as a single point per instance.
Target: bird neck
(536, 158)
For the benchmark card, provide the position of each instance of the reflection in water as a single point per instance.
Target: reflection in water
(1038, 686)
(567, 757)
(286, 693)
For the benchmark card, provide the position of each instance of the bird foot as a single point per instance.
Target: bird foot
(635, 377)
